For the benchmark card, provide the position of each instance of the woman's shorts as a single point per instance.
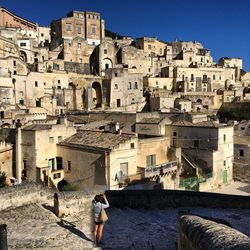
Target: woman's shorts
(99, 223)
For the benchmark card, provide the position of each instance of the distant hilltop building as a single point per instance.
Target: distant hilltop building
(87, 25)
(11, 20)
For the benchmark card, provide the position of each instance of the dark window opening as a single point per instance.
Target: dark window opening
(59, 163)
(196, 143)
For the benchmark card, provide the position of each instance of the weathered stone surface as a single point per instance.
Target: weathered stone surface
(200, 234)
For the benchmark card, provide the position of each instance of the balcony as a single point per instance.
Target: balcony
(128, 179)
(161, 169)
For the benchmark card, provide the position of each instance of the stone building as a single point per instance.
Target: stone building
(206, 147)
(87, 25)
(123, 87)
(9, 19)
(36, 152)
(6, 160)
(242, 151)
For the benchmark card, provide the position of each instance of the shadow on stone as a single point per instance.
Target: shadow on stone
(72, 228)
(50, 208)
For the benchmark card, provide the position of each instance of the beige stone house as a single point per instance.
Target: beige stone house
(242, 151)
(207, 147)
(123, 88)
(101, 159)
(36, 152)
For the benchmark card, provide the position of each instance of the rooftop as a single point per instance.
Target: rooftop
(38, 127)
(151, 120)
(208, 124)
(96, 139)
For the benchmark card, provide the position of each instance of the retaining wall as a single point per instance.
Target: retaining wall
(196, 233)
(28, 193)
(151, 199)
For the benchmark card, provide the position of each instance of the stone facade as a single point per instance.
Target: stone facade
(9, 19)
(87, 25)
(206, 146)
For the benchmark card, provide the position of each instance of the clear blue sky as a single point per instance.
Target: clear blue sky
(223, 26)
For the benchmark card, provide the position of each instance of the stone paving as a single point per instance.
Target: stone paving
(36, 227)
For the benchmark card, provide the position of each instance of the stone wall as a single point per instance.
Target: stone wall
(66, 203)
(151, 199)
(21, 195)
(200, 234)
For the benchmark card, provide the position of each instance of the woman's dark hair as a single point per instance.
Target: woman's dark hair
(97, 198)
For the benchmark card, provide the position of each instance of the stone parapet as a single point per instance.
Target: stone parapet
(151, 199)
(196, 233)
(25, 194)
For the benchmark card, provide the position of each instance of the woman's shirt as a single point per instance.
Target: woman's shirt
(97, 207)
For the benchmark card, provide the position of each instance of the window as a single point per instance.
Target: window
(232, 77)
(22, 44)
(93, 31)
(160, 50)
(69, 28)
(69, 166)
(190, 59)
(129, 85)
(36, 84)
(59, 138)
(136, 85)
(116, 74)
(116, 86)
(106, 66)
(225, 163)
(224, 138)
(21, 102)
(241, 152)
(93, 43)
(151, 160)
(38, 103)
(196, 143)
(192, 77)
(51, 139)
(79, 30)
(132, 145)
(174, 134)
(213, 77)
(105, 51)
(118, 103)
(80, 60)
(59, 163)
(14, 72)
(204, 79)
(44, 83)
(201, 59)
(59, 81)
(149, 46)
(42, 34)
(79, 46)
(14, 63)
(57, 176)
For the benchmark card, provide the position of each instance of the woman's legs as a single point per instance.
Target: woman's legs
(100, 230)
(95, 232)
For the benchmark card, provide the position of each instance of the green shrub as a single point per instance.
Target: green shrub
(69, 187)
(3, 178)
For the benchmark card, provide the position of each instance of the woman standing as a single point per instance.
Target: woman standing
(100, 202)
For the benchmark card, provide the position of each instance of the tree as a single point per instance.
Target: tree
(3, 178)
